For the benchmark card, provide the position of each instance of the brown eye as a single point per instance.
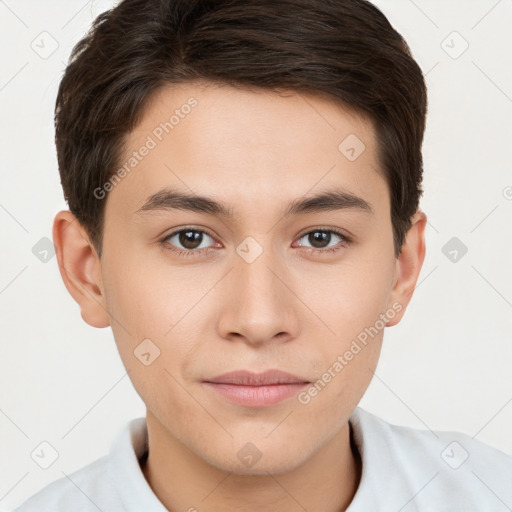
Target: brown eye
(321, 239)
(190, 239)
(187, 240)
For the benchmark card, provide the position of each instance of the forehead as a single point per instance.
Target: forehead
(249, 146)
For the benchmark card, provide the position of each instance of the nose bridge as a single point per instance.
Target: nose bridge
(260, 281)
(261, 306)
(258, 285)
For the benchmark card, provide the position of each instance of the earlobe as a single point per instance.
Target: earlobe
(408, 266)
(80, 268)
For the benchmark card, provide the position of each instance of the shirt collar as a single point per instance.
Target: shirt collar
(125, 472)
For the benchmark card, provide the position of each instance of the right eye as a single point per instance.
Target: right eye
(191, 241)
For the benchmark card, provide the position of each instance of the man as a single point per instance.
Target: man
(243, 180)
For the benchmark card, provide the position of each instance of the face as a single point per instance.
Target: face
(266, 281)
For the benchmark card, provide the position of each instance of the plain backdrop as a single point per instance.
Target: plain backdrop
(446, 366)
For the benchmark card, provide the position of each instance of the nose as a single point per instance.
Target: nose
(260, 305)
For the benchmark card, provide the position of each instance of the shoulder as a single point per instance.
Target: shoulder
(87, 489)
(446, 469)
(112, 483)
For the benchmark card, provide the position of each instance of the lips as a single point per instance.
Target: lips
(248, 389)
(267, 378)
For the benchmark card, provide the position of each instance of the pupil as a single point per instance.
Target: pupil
(319, 236)
(190, 239)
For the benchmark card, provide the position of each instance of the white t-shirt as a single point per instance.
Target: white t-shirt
(403, 470)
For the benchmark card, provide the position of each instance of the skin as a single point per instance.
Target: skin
(289, 309)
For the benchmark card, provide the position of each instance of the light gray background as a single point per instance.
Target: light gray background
(446, 366)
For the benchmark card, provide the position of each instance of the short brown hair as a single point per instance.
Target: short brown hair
(345, 49)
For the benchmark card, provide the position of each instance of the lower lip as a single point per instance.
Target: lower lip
(256, 396)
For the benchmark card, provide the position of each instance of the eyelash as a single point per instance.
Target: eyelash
(198, 252)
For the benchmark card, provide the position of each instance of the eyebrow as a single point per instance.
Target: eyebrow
(168, 199)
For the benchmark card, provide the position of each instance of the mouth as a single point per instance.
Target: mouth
(256, 389)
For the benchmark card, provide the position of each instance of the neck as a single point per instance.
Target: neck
(183, 481)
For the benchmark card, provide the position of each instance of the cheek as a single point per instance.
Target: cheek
(146, 296)
(349, 297)
(352, 301)
(137, 313)
(357, 313)
(153, 321)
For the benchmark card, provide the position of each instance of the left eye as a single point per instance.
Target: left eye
(319, 237)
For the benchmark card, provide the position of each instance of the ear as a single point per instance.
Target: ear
(80, 268)
(408, 266)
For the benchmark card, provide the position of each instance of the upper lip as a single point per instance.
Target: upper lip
(247, 378)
